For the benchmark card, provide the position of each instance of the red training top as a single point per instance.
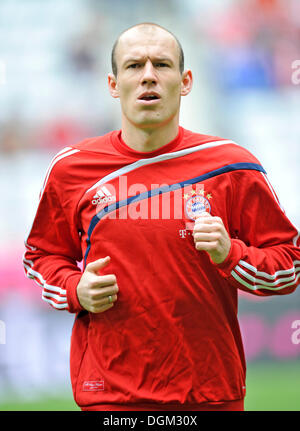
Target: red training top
(172, 339)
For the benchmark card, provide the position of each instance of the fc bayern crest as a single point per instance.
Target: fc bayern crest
(196, 205)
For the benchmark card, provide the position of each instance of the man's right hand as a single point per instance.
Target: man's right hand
(97, 293)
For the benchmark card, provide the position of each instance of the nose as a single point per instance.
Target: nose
(149, 74)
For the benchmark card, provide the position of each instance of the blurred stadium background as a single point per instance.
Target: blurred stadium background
(54, 60)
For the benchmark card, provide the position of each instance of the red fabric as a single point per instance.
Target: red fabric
(205, 407)
(120, 146)
(173, 335)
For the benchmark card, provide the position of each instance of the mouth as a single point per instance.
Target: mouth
(149, 98)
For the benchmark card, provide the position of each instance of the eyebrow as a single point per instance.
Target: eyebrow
(155, 60)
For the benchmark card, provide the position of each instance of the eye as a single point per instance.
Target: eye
(133, 66)
(161, 65)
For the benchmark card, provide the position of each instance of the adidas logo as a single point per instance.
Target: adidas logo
(103, 196)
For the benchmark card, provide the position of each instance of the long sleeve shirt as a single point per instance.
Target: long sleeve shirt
(172, 338)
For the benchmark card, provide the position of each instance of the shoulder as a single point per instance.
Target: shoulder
(95, 144)
(77, 155)
(224, 150)
(70, 164)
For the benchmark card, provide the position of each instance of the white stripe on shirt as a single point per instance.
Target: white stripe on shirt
(66, 152)
(267, 283)
(256, 287)
(270, 276)
(57, 297)
(56, 159)
(272, 191)
(157, 159)
(55, 305)
(262, 284)
(62, 297)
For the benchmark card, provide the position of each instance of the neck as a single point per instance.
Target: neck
(145, 140)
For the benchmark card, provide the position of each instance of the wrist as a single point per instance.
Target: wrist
(235, 253)
(219, 257)
(72, 282)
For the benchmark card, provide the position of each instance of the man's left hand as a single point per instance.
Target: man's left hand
(211, 236)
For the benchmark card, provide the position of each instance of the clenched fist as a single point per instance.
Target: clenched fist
(97, 293)
(211, 236)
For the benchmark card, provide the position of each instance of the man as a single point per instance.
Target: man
(169, 225)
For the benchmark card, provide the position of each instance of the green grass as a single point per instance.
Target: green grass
(273, 386)
(44, 404)
(270, 387)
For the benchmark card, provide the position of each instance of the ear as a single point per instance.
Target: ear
(112, 85)
(186, 82)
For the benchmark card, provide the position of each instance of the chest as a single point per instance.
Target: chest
(153, 203)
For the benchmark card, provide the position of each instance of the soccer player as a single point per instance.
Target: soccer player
(169, 225)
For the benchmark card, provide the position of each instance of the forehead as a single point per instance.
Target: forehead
(146, 42)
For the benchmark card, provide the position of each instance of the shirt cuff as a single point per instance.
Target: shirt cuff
(72, 298)
(235, 254)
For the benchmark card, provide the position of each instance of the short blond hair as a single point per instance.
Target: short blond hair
(145, 24)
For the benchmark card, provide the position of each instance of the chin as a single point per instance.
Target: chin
(143, 123)
(150, 125)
